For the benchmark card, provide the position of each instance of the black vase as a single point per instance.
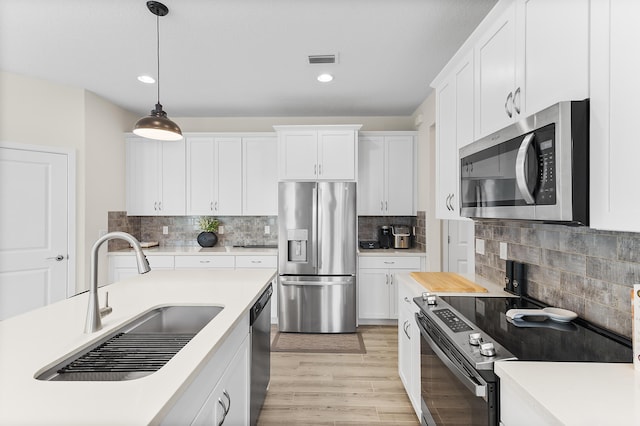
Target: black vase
(207, 239)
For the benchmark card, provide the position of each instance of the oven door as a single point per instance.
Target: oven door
(452, 393)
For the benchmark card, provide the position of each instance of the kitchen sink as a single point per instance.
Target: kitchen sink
(136, 349)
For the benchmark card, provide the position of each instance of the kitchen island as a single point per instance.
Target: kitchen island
(34, 341)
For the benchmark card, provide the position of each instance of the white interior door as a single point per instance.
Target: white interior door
(34, 246)
(458, 246)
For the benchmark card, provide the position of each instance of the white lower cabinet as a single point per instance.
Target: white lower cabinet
(377, 284)
(121, 267)
(409, 346)
(515, 410)
(220, 391)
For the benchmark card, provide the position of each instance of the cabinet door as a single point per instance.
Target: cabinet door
(400, 176)
(228, 172)
(373, 293)
(613, 126)
(260, 177)
(337, 155)
(173, 173)
(464, 79)
(143, 177)
(404, 348)
(446, 152)
(555, 50)
(495, 55)
(371, 175)
(298, 155)
(200, 175)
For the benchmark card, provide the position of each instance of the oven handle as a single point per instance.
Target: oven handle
(471, 383)
(521, 162)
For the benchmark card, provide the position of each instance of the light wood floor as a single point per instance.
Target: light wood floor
(340, 389)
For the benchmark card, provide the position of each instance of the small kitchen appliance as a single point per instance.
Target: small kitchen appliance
(384, 237)
(369, 245)
(401, 236)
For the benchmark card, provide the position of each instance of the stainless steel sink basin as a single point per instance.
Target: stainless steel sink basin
(136, 349)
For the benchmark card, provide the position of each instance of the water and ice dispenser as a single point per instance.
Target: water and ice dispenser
(297, 240)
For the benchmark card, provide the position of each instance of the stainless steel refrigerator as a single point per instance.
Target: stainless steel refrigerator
(317, 257)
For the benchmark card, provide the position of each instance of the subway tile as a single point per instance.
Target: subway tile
(572, 242)
(605, 246)
(572, 284)
(613, 271)
(507, 234)
(629, 248)
(524, 254)
(569, 262)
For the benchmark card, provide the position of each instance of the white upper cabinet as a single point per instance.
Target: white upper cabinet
(386, 174)
(534, 54)
(260, 176)
(155, 177)
(614, 113)
(214, 176)
(317, 152)
(454, 115)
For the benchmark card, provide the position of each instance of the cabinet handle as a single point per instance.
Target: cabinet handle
(256, 261)
(315, 169)
(226, 394)
(155, 206)
(386, 206)
(446, 202)
(391, 279)
(506, 104)
(211, 206)
(215, 206)
(319, 169)
(160, 205)
(406, 299)
(516, 107)
(386, 281)
(224, 411)
(406, 328)
(389, 262)
(381, 206)
(205, 261)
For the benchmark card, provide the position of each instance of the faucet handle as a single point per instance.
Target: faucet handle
(107, 309)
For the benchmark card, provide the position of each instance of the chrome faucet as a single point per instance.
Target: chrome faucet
(94, 313)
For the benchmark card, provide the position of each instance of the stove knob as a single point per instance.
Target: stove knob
(487, 349)
(429, 298)
(475, 339)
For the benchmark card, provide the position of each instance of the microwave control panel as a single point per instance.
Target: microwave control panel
(546, 188)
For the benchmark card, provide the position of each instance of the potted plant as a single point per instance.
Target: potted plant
(209, 227)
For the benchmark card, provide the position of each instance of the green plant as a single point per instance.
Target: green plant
(209, 224)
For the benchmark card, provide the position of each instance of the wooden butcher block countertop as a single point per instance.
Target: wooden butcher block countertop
(446, 282)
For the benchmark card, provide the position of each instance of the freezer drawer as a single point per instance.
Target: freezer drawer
(317, 304)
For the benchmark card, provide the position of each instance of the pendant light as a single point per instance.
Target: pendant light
(157, 125)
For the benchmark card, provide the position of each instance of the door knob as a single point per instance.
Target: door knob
(59, 258)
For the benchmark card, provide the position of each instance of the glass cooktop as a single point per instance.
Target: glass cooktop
(541, 340)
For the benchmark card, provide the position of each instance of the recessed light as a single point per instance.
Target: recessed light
(325, 78)
(146, 79)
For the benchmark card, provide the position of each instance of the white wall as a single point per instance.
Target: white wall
(38, 112)
(425, 118)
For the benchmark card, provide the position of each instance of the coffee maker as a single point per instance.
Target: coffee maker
(385, 239)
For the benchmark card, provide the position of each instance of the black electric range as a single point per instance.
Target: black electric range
(537, 340)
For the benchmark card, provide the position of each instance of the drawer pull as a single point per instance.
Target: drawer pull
(205, 261)
(388, 262)
(256, 261)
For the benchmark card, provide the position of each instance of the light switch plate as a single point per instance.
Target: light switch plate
(165, 230)
(479, 246)
(267, 229)
(503, 251)
(220, 229)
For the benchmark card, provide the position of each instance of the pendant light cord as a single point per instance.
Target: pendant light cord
(158, 52)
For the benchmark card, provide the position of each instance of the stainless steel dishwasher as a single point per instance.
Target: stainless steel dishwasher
(260, 321)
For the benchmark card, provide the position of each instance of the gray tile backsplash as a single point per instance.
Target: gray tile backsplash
(585, 270)
(183, 230)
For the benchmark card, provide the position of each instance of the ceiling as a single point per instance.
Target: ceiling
(247, 58)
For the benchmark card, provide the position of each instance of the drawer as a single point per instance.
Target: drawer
(209, 261)
(256, 261)
(129, 261)
(391, 262)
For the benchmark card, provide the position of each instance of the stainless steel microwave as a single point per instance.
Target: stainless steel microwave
(535, 169)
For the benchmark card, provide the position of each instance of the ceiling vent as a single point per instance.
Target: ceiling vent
(322, 59)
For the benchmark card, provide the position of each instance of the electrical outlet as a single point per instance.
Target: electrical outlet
(220, 229)
(267, 229)
(165, 230)
(503, 251)
(479, 246)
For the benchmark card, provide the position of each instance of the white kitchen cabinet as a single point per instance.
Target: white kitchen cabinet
(454, 115)
(259, 176)
(614, 204)
(530, 58)
(409, 346)
(121, 267)
(214, 175)
(226, 370)
(228, 403)
(516, 410)
(387, 174)
(317, 152)
(155, 176)
(377, 284)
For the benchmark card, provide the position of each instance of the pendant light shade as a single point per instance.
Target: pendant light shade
(157, 125)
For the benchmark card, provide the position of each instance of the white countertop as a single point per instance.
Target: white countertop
(33, 341)
(493, 290)
(391, 252)
(221, 250)
(571, 393)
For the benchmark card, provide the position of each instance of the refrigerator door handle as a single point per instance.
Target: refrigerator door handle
(314, 229)
(313, 283)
